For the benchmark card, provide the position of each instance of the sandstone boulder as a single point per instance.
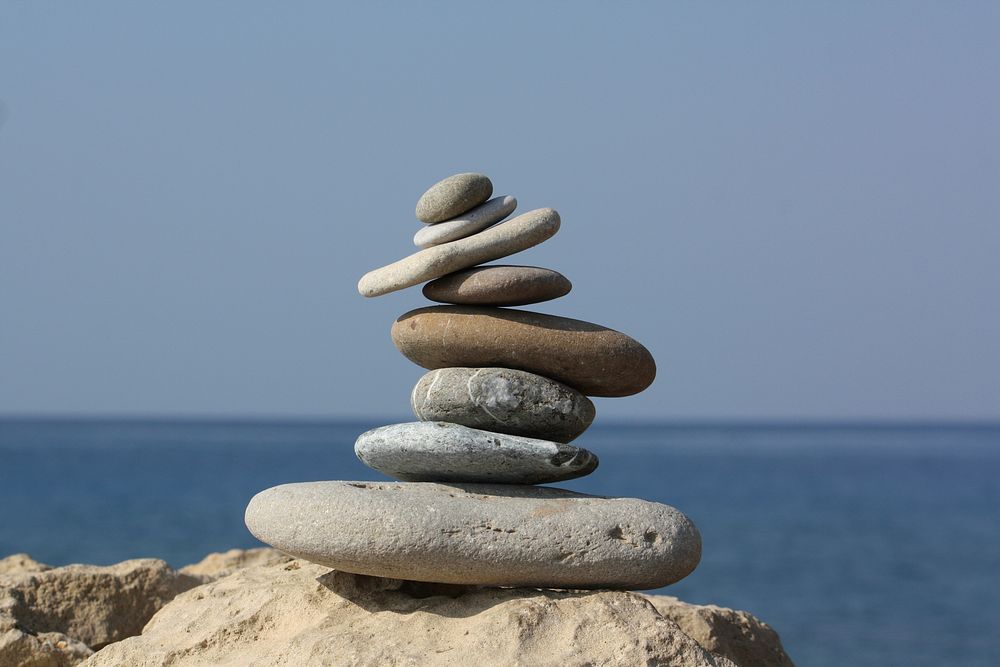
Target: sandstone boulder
(93, 604)
(738, 635)
(218, 565)
(304, 614)
(19, 563)
(56, 617)
(20, 647)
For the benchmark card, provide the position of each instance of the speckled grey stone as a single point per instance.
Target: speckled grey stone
(453, 196)
(490, 535)
(444, 452)
(466, 224)
(503, 400)
(506, 238)
(498, 285)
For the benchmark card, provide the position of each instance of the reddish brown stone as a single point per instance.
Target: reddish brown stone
(592, 359)
(498, 285)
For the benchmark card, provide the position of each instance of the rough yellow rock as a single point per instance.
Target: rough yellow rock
(304, 614)
(93, 604)
(51, 617)
(218, 565)
(20, 563)
(738, 635)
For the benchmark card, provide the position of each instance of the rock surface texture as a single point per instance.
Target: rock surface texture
(217, 565)
(490, 535)
(20, 563)
(20, 648)
(498, 285)
(303, 614)
(444, 452)
(738, 635)
(59, 615)
(453, 196)
(504, 400)
(466, 224)
(506, 238)
(592, 359)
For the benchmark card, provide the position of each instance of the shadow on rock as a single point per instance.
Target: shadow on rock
(375, 594)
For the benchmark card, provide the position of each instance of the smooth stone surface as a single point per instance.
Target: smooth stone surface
(485, 534)
(443, 452)
(503, 400)
(453, 196)
(498, 285)
(506, 238)
(467, 224)
(592, 359)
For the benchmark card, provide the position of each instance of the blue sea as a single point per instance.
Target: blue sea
(860, 544)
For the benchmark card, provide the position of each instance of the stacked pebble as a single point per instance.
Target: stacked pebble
(506, 391)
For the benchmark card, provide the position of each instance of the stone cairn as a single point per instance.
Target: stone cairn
(507, 390)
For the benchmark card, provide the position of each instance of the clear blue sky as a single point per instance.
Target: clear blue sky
(794, 206)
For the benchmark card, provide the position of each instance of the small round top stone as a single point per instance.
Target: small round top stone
(453, 196)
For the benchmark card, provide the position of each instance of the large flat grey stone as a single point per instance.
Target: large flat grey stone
(504, 400)
(506, 238)
(467, 224)
(491, 535)
(443, 452)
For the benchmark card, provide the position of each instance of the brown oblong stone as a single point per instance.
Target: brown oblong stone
(592, 359)
(499, 285)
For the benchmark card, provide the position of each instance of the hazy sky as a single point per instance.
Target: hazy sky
(795, 206)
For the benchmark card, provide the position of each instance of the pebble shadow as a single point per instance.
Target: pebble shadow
(375, 594)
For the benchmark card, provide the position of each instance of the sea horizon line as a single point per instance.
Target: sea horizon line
(839, 423)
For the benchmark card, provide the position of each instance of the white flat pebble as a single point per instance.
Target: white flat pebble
(507, 238)
(467, 224)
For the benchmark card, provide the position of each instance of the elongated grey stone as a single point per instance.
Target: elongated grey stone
(490, 535)
(443, 452)
(498, 285)
(467, 224)
(453, 196)
(506, 238)
(503, 400)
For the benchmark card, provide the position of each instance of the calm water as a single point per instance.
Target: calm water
(860, 545)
